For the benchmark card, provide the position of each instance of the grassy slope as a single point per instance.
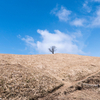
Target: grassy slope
(30, 76)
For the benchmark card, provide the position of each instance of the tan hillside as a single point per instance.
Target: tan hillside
(49, 77)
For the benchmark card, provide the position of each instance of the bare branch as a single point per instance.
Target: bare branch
(52, 49)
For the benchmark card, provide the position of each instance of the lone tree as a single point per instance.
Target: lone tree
(52, 49)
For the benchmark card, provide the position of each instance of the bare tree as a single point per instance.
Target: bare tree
(52, 49)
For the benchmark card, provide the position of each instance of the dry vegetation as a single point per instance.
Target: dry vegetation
(49, 77)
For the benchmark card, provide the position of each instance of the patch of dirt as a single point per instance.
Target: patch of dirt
(86, 89)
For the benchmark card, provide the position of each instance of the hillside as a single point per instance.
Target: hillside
(49, 77)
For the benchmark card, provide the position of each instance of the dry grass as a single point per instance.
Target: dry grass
(18, 82)
(24, 77)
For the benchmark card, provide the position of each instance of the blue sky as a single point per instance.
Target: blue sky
(32, 26)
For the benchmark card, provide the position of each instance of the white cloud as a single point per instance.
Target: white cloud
(96, 19)
(65, 43)
(86, 7)
(62, 14)
(78, 22)
(29, 41)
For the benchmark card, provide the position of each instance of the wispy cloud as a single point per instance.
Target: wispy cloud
(62, 14)
(96, 0)
(96, 19)
(29, 41)
(78, 22)
(86, 7)
(65, 43)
